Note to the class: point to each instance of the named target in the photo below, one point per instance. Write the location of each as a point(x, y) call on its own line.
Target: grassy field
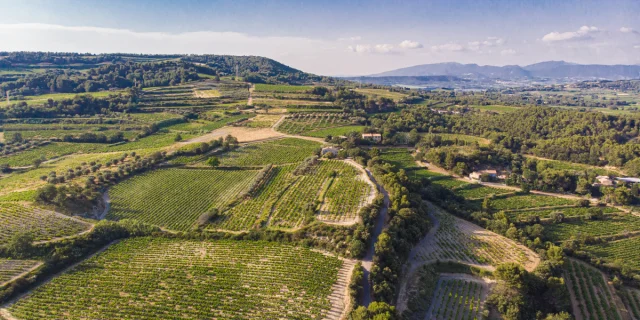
point(287, 150)
point(384, 93)
point(60, 96)
point(147, 278)
point(43, 225)
point(175, 198)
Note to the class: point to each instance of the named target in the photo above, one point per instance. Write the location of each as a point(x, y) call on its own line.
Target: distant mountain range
point(549, 70)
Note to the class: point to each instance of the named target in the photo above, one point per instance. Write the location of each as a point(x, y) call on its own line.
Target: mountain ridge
point(541, 70)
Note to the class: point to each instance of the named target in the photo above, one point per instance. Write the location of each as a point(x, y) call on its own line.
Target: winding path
point(367, 261)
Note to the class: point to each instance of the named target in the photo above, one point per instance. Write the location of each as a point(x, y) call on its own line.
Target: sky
point(335, 37)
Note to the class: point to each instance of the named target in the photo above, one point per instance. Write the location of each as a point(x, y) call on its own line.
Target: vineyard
point(261, 87)
point(12, 268)
point(306, 123)
point(458, 298)
point(625, 250)
point(477, 191)
point(158, 278)
point(523, 201)
point(631, 298)
point(588, 286)
point(287, 150)
point(609, 225)
point(175, 198)
point(460, 241)
point(333, 188)
point(546, 213)
point(42, 224)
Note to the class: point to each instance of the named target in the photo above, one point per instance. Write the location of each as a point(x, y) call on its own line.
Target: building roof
point(371, 135)
point(628, 179)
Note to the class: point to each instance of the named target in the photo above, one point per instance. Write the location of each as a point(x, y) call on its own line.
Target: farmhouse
point(331, 150)
point(375, 137)
point(604, 181)
point(487, 174)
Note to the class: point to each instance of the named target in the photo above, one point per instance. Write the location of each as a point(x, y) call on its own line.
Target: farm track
point(367, 261)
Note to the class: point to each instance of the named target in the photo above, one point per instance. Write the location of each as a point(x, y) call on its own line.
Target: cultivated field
point(282, 151)
point(592, 298)
point(457, 240)
point(307, 123)
point(458, 297)
point(286, 200)
point(12, 268)
point(175, 198)
point(42, 224)
point(157, 278)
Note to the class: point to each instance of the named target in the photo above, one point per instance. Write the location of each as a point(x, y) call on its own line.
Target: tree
point(213, 162)
point(21, 245)
point(17, 137)
point(37, 162)
point(487, 206)
point(178, 138)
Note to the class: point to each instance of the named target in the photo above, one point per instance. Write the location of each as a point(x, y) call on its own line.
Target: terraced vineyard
point(610, 225)
point(305, 123)
point(589, 287)
point(461, 241)
point(12, 268)
point(458, 298)
point(171, 279)
point(286, 200)
point(175, 198)
point(42, 224)
point(287, 150)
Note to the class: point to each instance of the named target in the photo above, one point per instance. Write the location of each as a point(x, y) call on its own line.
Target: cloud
point(451, 47)
point(636, 46)
point(508, 52)
point(479, 46)
point(629, 30)
point(408, 44)
point(355, 38)
point(366, 48)
point(584, 33)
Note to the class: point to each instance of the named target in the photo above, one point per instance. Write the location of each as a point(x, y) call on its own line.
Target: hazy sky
point(335, 37)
